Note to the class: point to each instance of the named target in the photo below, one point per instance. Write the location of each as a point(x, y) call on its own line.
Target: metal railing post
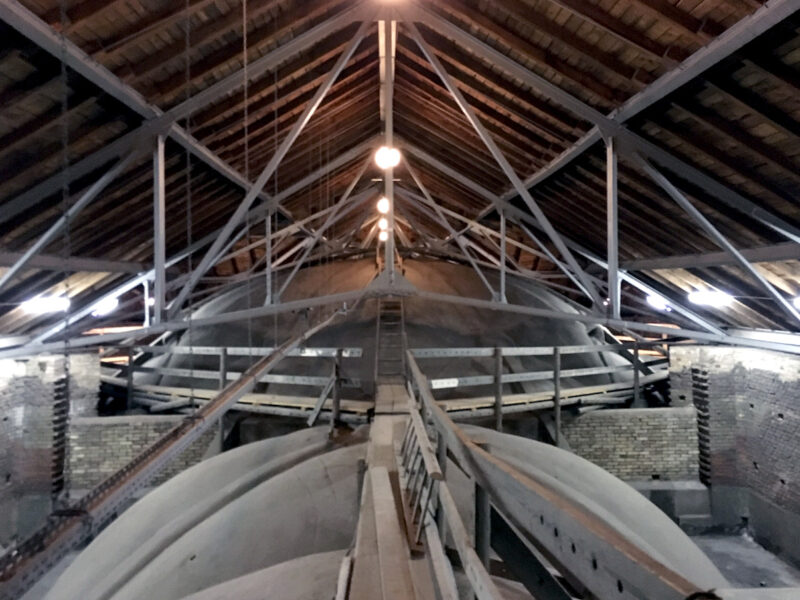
point(129, 398)
point(337, 389)
point(498, 389)
point(223, 367)
point(557, 392)
point(636, 373)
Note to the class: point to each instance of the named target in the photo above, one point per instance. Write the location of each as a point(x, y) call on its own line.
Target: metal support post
point(159, 231)
point(129, 378)
point(268, 267)
point(502, 256)
point(498, 389)
point(557, 392)
point(612, 228)
point(386, 33)
point(223, 367)
point(636, 390)
point(337, 389)
point(146, 295)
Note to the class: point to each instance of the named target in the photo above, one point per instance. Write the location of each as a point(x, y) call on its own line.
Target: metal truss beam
point(500, 205)
point(84, 341)
point(715, 234)
point(606, 126)
point(502, 161)
point(775, 253)
point(156, 121)
point(717, 50)
point(241, 211)
point(521, 219)
point(446, 224)
point(72, 212)
point(76, 316)
point(333, 217)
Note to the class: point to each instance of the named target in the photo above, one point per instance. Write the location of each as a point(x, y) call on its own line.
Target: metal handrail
point(627, 570)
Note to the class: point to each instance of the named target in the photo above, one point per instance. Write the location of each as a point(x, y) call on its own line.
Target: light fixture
point(387, 157)
point(45, 304)
point(151, 301)
point(383, 224)
point(383, 235)
point(105, 306)
point(713, 298)
point(383, 205)
point(658, 302)
point(796, 303)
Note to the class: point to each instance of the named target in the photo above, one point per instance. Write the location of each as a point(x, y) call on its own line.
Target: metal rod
point(502, 256)
point(441, 458)
point(268, 254)
point(612, 228)
point(159, 231)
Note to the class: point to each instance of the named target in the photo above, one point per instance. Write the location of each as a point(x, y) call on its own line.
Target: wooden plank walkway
point(383, 567)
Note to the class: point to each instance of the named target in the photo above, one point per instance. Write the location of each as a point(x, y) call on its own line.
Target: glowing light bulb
point(383, 235)
point(383, 205)
point(383, 224)
point(387, 157)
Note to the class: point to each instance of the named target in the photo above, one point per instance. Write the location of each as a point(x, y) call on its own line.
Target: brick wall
point(99, 446)
point(754, 401)
point(642, 443)
point(26, 433)
point(754, 424)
